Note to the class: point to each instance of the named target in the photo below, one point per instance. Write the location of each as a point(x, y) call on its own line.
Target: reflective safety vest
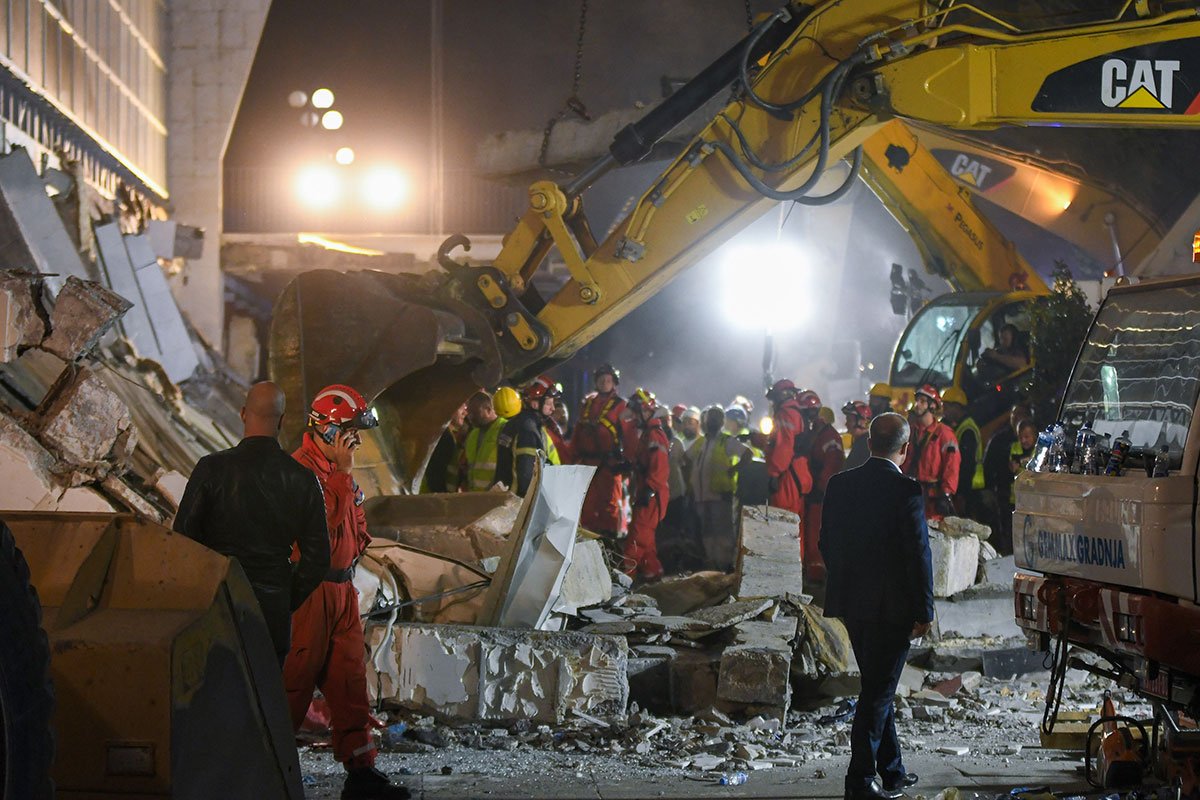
point(480, 450)
point(721, 475)
point(552, 456)
point(968, 424)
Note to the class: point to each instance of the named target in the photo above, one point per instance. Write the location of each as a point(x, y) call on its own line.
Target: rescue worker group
point(668, 487)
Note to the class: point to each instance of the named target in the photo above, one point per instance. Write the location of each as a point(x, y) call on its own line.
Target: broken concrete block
point(1005, 664)
point(727, 615)
point(494, 674)
point(756, 670)
point(961, 526)
point(587, 581)
point(87, 424)
point(468, 527)
point(22, 323)
point(83, 312)
point(912, 680)
point(171, 486)
point(1000, 572)
point(978, 613)
point(769, 561)
point(955, 562)
point(694, 677)
point(28, 469)
point(123, 494)
point(681, 595)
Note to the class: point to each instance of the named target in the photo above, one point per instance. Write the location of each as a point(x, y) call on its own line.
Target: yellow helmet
point(826, 414)
point(954, 394)
point(507, 402)
point(881, 390)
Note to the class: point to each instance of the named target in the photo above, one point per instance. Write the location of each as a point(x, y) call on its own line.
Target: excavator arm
point(811, 84)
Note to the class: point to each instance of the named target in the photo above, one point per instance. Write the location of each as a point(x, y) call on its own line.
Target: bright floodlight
point(322, 98)
point(766, 425)
point(766, 286)
point(385, 188)
point(297, 99)
point(318, 187)
point(344, 156)
point(331, 120)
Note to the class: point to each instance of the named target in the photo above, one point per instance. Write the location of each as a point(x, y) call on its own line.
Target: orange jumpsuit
point(784, 466)
point(651, 495)
point(825, 460)
point(596, 442)
point(327, 633)
point(933, 459)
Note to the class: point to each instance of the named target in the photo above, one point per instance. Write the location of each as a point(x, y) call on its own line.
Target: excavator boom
point(812, 84)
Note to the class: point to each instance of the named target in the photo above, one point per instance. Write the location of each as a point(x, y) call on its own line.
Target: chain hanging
point(574, 105)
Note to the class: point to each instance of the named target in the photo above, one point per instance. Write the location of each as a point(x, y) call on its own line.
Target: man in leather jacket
point(253, 502)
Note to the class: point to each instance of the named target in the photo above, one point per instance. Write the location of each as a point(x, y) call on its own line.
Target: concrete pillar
point(211, 47)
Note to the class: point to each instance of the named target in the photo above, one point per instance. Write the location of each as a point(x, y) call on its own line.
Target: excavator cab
point(952, 341)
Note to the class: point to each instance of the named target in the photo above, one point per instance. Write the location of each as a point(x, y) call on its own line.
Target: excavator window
point(929, 348)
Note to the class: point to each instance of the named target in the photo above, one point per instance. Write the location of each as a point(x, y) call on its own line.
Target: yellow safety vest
point(721, 476)
point(968, 424)
point(481, 452)
point(552, 456)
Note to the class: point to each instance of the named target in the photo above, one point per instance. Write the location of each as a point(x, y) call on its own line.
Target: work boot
point(368, 783)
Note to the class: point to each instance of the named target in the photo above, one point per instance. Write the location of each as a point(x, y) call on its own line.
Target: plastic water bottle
point(1162, 462)
point(1041, 450)
point(1057, 459)
point(1116, 457)
point(734, 778)
point(1085, 443)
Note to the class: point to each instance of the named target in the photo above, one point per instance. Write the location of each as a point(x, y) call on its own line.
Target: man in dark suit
point(880, 583)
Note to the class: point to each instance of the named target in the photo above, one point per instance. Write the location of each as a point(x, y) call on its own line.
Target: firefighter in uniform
point(597, 441)
point(967, 501)
point(524, 440)
point(825, 459)
point(651, 487)
point(858, 420)
point(327, 633)
point(933, 456)
point(787, 455)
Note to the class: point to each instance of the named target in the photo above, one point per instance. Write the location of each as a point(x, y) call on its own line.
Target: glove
point(944, 505)
point(773, 484)
point(644, 497)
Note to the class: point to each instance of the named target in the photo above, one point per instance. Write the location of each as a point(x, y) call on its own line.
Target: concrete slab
point(986, 612)
point(178, 354)
point(769, 561)
point(467, 673)
point(30, 227)
point(955, 563)
point(119, 275)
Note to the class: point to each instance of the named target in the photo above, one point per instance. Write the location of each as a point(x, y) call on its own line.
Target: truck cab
point(1112, 561)
point(943, 344)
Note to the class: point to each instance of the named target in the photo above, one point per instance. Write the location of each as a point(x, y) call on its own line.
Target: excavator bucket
point(395, 339)
point(166, 682)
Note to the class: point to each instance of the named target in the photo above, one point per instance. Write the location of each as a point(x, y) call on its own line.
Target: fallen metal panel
point(33, 232)
point(178, 354)
point(121, 278)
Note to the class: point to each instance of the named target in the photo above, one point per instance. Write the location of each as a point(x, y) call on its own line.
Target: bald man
point(256, 504)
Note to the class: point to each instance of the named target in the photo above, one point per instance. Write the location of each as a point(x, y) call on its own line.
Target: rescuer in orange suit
point(933, 456)
point(651, 490)
point(597, 441)
point(787, 461)
point(825, 459)
point(327, 633)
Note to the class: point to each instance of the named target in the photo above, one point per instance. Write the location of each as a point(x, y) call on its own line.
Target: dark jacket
point(252, 502)
point(521, 445)
point(876, 546)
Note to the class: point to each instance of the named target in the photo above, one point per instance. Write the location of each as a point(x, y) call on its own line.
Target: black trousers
point(881, 648)
point(276, 605)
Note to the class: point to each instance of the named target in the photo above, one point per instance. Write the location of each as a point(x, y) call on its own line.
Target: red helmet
point(678, 409)
point(857, 408)
point(781, 390)
point(643, 398)
point(541, 387)
point(342, 406)
point(808, 399)
point(930, 391)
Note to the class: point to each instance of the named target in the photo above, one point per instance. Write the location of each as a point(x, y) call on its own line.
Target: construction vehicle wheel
point(26, 694)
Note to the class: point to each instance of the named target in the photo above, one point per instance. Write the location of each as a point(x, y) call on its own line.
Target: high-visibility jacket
point(933, 459)
point(552, 456)
point(479, 456)
point(712, 460)
point(965, 430)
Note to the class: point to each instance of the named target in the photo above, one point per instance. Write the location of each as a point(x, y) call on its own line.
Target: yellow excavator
point(813, 84)
point(153, 637)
